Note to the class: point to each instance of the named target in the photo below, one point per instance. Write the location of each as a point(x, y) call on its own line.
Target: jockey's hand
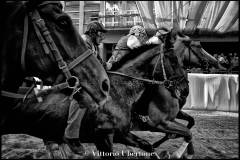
point(154, 40)
point(108, 66)
point(133, 42)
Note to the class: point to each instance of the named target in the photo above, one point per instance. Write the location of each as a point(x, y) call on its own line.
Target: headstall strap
point(36, 19)
point(162, 54)
point(44, 36)
point(160, 57)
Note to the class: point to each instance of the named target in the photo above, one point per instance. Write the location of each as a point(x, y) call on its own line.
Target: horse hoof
point(189, 156)
point(165, 155)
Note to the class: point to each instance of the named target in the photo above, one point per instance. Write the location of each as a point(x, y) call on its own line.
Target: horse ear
point(32, 4)
point(187, 41)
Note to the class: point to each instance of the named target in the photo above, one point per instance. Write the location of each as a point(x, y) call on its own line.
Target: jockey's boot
point(75, 145)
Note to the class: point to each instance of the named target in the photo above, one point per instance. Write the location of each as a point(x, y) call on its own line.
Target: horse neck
point(125, 89)
point(130, 89)
point(181, 52)
point(139, 65)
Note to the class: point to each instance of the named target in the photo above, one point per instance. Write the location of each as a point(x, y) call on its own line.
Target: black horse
point(39, 39)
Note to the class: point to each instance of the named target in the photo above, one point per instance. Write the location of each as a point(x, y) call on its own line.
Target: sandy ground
point(215, 136)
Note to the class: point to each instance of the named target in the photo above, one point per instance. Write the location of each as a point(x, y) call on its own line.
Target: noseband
point(49, 47)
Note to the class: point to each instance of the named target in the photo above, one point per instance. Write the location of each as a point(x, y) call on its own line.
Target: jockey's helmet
point(139, 32)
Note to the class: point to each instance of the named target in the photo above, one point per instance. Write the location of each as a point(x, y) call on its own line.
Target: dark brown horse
point(163, 104)
point(39, 39)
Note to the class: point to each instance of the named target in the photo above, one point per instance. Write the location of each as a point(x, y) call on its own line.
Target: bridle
point(49, 47)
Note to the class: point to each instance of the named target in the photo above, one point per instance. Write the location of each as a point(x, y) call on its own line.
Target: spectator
point(93, 36)
point(222, 60)
point(215, 55)
point(234, 63)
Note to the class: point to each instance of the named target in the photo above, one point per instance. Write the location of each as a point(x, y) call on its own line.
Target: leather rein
point(49, 46)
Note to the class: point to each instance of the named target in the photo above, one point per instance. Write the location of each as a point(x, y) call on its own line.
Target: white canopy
point(220, 16)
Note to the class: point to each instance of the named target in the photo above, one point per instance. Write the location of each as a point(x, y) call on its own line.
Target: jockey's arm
point(154, 40)
point(133, 42)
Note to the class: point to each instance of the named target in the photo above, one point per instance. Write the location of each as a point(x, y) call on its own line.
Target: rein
point(137, 78)
point(48, 45)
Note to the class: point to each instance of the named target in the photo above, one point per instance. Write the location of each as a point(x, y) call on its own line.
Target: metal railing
point(121, 20)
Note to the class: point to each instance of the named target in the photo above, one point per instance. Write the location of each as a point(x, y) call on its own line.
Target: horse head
point(192, 54)
point(40, 40)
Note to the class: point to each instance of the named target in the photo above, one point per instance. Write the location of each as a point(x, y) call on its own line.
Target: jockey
point(93, 36)
point(136, 38)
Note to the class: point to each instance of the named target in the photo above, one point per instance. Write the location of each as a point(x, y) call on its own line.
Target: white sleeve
point(133, 42)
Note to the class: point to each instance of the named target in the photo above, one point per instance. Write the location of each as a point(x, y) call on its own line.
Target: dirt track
point(215, 136)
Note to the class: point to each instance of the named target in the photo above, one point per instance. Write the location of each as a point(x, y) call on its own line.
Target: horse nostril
point(105, 85)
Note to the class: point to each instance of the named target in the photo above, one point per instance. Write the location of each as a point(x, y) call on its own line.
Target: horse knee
point(191, 122)
point(188, 137)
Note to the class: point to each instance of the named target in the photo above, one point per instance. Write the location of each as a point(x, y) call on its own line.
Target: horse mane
point(140, 57)
point(131, 58)
point(12, 11)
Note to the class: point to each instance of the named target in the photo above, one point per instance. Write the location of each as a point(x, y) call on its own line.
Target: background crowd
point(228, 60)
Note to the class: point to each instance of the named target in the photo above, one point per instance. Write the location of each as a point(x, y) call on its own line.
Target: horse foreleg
point(184, 116)
point(191, 122)
point(104, 143)
point(156, 144)
point(173, 127)
point(135, 141)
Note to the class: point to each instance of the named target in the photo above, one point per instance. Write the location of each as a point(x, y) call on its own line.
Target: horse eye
point(63, 24)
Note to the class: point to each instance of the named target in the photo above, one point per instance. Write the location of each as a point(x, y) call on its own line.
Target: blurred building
point(199, 19)
point(117, 16)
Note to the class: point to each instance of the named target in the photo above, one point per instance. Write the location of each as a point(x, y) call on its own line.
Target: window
point(121, 14)
point(72, 9)
point(91, 16)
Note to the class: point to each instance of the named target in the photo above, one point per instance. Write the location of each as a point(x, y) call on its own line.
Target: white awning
point(221, 16)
